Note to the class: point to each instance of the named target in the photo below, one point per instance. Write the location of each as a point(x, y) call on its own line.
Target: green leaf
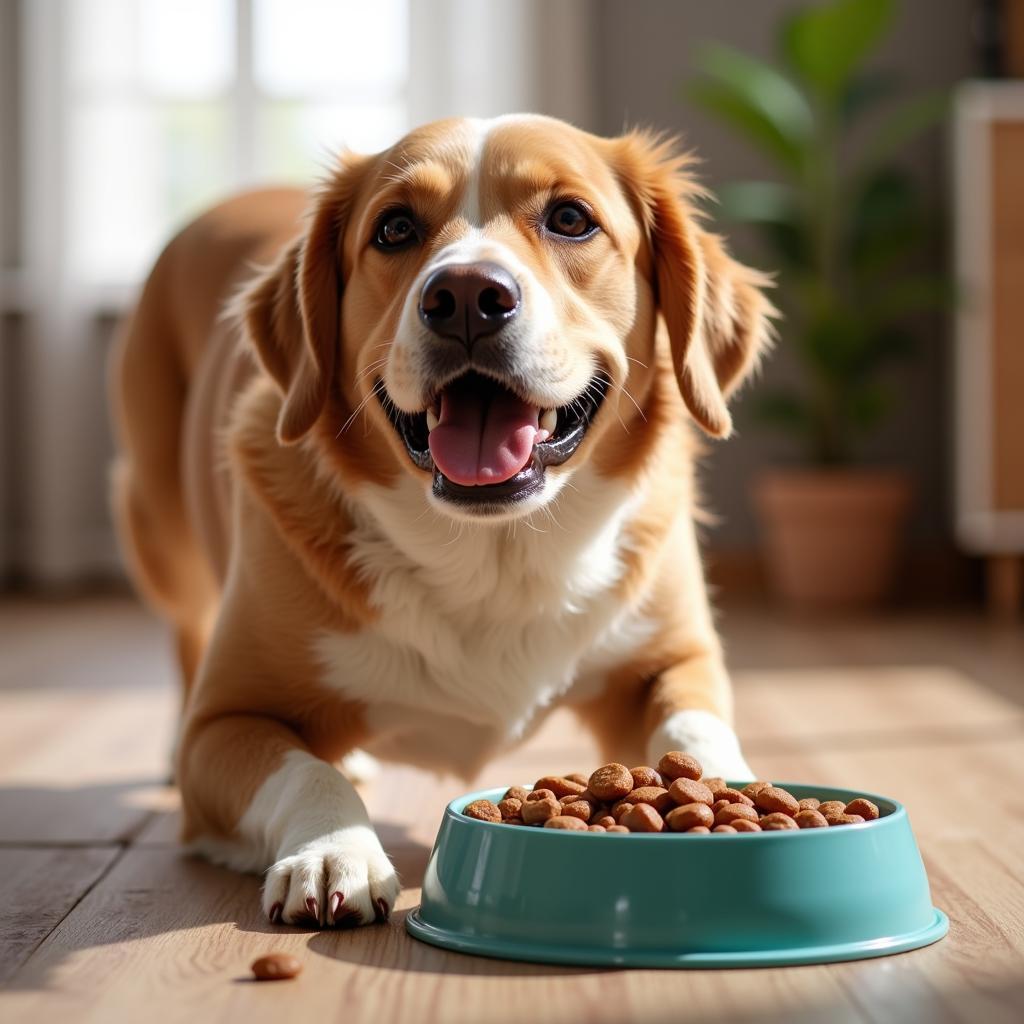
point(903, 123)
point(824, 43)
point(786, 410)
point(866, 405)
point(912, 294)
point(864, 91)
point(757, 100)
point(759, 202)
point(775, 211)
point(886, 221)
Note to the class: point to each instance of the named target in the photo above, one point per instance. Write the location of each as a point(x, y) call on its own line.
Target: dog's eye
point(396, 229)
point(571, 221)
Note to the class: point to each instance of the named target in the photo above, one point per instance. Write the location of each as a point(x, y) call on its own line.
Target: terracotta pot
point(832, 538)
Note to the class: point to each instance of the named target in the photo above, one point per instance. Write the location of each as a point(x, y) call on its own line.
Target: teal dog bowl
point(745, 900)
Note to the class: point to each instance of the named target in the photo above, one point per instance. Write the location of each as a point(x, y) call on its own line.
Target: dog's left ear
point(718, 319)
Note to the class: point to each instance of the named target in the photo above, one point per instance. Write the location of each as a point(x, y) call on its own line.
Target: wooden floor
point(102, 919)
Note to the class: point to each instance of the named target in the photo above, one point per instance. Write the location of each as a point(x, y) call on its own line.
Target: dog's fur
point(323, 599)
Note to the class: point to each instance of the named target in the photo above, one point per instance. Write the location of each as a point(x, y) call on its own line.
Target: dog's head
point(476, 300)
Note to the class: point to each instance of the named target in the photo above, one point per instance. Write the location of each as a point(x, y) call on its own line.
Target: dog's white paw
point(707, 738)
point(339, 880)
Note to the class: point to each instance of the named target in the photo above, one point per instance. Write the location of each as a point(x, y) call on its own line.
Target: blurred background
point(866, 152)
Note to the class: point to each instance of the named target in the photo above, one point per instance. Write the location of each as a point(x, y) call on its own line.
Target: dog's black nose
point(465, 301)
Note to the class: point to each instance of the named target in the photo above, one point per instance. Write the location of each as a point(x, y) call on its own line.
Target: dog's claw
point(275, 913)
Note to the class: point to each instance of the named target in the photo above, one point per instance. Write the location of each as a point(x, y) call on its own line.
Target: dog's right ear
point(293, 310)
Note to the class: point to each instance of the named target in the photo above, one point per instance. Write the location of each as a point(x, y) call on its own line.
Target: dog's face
point(481, 296)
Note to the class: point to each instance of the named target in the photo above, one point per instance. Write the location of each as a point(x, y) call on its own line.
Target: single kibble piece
point(728, 814)
point(619, 810)
point(743, 825)
point(578, 809)
point(733, 796)
point(846, 819)
point(595, 828)
point(539, 806)
point(773, 799)
point(810, 803)
point(832, 808)
point(689, 791)
point(714, 783)
point(682, 819)
point(606, 820)
point(642, 818)
point(724, 828)
point(645, 776)
point(616, 828)
point(610, 782)
point(510, 807)
point(725, 801)
point(865, 808)
point(577, 777)
point(483, 810)
point(810, 818)
point(275, 967)
point(567, 822)
point(776, 821)
point(751, 789)
point(657, 797)
point(677, 765)
point(698, 830)
point(559, 786)
point(516, 793)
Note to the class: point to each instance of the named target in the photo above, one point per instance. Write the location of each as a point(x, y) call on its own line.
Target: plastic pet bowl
point(745, 900)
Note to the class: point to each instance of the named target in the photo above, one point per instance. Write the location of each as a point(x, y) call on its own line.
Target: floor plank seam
point(114, 861)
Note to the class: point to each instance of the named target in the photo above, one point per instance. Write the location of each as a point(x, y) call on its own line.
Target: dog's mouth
point(488, 446)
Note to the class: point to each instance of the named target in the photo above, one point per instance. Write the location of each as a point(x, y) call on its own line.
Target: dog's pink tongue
point(482, 439)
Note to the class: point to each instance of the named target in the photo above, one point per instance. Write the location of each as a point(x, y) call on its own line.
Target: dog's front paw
point(339, 880)
point(707, 738)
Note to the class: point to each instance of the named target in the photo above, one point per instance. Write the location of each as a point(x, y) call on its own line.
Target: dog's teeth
point(549, 420)
point(432, 420)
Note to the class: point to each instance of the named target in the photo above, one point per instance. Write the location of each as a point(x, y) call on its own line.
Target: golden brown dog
point(426, 474)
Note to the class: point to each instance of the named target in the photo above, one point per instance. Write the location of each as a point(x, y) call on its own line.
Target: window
point(175, 103)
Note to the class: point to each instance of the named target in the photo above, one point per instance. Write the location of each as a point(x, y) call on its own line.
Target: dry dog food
point(674, 797)
point(275, 967)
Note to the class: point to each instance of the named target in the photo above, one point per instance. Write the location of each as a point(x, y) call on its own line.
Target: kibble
point(689, 791)
point(677, 765)
point(772, 799)
point(560, 786)
point(277, 966)
point(611, 782)
point(643, 818)
point(682, 819)
point(567, 822)
point(483, 810)
point(810, 818)
point(674, 797)
point(865, 808)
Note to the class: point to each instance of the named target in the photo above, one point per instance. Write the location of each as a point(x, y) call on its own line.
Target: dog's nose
point(465, 301)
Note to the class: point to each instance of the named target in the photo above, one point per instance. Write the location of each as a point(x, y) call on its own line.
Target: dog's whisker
point(359, 408)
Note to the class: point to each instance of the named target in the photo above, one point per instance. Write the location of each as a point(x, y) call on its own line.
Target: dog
point(408, 473)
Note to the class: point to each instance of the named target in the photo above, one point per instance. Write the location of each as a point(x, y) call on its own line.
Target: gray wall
point(645, 52)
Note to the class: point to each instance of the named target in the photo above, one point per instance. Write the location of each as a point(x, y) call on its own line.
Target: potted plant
point(843, 222)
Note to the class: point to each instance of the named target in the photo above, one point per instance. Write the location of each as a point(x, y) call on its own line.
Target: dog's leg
point(255, 798)
point(689, 708)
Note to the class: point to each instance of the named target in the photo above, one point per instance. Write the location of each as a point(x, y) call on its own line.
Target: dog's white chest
point(476, 631)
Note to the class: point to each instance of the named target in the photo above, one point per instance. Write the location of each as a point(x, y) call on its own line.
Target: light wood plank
point(37, 889)
point(81, 767)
